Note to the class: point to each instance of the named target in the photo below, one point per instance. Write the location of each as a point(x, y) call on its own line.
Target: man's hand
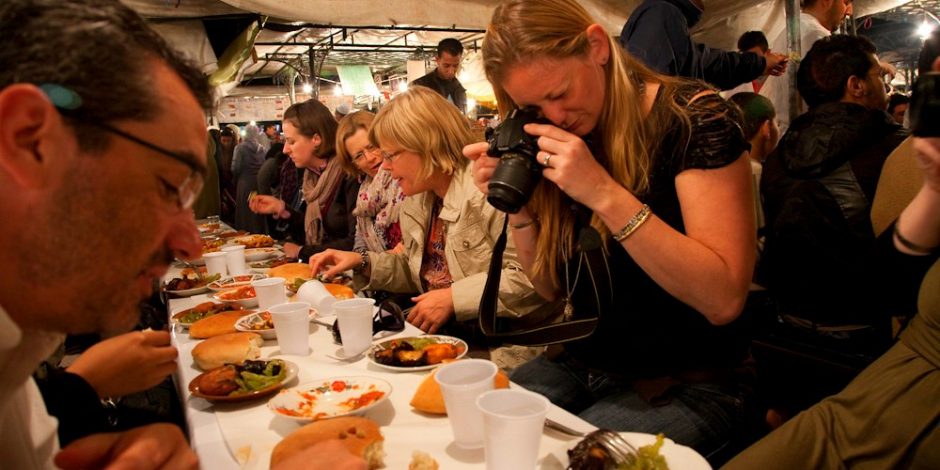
point(776, 64)
point(127, 363)
point(155, 446)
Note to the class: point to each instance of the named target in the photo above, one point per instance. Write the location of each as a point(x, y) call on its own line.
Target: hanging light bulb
point(338, 90)
point(307, 88)
point(924, 30)
point(403, 86)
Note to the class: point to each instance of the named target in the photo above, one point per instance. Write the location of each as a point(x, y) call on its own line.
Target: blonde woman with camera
point(656, 167)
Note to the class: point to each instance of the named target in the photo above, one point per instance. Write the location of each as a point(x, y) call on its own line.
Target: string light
point(307, 88)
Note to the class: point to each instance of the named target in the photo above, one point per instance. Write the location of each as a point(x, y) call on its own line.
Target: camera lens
point(924, 111)
point(512, 183)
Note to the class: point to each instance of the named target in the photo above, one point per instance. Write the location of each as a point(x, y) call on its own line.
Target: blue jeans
point(702, 416)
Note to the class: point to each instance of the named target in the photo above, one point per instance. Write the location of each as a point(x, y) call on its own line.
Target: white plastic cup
point(512, 424)
point(355, 324)
point(270, 291)
point(461, 383)
point(235, 259)
point(216, 263)
point(315, 293)
point(292, 327)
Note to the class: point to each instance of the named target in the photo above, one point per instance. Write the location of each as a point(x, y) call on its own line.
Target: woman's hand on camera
point(483, 165)
point(570, 165)
point(332, 262)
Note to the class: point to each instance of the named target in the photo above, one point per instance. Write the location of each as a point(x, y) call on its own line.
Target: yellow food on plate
point(340, 291)
point(215, 325)
point(428, 397)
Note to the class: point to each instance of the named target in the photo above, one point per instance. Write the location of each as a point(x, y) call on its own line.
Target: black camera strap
point(551, 328)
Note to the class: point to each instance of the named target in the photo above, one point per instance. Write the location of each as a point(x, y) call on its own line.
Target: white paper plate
point(231, 282)
point(330, 398)
point(258, 254)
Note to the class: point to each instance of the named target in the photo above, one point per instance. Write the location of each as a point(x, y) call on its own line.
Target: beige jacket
point(471, 229)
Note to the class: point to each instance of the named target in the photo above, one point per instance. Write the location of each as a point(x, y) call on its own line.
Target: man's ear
point(765, 129)
point(30, 128)
point(600, 45)
point(855, 87)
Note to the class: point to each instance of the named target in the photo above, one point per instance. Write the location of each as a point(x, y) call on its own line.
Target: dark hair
point(226, 132)
point(99, 49)
point(450, 46)
point(752, 39)
point(313, 118)
point(929, 53)
point(896, 99)
point(826, 69)
point(756, 109)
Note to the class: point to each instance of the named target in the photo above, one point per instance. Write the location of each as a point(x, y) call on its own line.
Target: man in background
point(657, 33)
point(756, 42)
point(443, 79)
point(818, 19)
point(897, 106)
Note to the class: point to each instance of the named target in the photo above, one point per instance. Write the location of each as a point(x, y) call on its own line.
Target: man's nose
point(183, 237)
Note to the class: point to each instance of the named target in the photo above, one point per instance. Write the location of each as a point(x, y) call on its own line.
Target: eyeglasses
point(183, 196)
point(391, 157)
point(369, 148)
point(388, 318)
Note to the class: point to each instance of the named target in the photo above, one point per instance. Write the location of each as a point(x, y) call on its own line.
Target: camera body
point(517, 173)
point(924, 112)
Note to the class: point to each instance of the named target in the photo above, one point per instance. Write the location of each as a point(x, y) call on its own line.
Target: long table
point(242, 436)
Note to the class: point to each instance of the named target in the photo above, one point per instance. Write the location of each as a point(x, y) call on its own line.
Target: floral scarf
point(377, 209)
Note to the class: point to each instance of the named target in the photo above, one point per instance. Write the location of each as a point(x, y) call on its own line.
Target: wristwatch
point(365, 261)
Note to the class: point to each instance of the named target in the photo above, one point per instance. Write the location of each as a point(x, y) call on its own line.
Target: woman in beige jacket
point(448, 228)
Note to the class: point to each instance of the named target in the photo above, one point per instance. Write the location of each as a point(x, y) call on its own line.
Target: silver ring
point(547, 159)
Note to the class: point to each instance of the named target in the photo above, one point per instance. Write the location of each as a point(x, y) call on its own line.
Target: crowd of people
point(698, 203)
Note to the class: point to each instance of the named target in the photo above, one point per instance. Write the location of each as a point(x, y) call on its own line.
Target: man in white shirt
point(818, 19)
point(102, 151)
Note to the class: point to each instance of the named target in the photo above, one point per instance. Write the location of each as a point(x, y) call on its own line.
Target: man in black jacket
point(818, 187)
point(657, 33)
point(443, 79)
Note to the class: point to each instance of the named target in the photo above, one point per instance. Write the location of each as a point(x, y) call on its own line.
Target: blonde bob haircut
point(522, 32)
point(422, 121)
point(348, 126)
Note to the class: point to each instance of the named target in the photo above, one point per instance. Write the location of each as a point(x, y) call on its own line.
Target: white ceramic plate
point(216, 308)
point(244, 323)
point(258, 239)
point(231, 282)
point(330, 398)
point(381, 346)
point(225, 296)
point(677, 456)
point(188, 292)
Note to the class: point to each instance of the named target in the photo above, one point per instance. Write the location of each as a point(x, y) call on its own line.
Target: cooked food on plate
point(230, 282)
point(428, 397)
point(255, 241)
point(422, 461)
point(218, 324)
point(203, 310)
point(361, 436)
point(590, 454)
point(213, 245)
point(272, 263)
point(232, 233)
point(231, 348)
point(240, 379)
point(261, 321)
point(415, 352)
point(241, 293)
point(190, 279)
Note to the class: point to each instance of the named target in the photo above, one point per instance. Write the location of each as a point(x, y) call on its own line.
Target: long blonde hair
point(421, 121)
point(524, 31)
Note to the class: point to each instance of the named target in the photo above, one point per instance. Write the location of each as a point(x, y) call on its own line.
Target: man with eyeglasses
point(102, 153)
point(817, 188)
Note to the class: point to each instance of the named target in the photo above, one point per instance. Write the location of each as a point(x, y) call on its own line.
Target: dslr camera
point(924, 113)
point(518, 172)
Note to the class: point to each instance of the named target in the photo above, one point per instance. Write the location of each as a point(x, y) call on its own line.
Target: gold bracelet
point(634, 223)
point(523, 224)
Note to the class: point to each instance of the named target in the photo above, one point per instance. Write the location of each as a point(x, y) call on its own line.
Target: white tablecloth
point(242, 436)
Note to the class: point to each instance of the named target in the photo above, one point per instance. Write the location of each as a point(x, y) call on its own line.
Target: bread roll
point(291, 271)
point(429, 399)
point(231, 348)
point(218, 324)
point(361, 436)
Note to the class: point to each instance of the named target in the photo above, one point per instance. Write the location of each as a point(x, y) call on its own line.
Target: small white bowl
point(247, 302)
